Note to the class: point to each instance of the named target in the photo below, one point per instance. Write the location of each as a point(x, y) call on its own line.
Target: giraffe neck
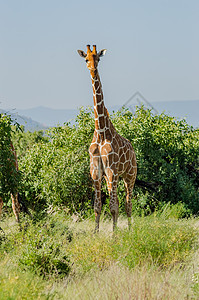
point(100, 111)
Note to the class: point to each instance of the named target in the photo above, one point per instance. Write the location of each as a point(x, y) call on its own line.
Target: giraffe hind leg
point(111, 181)
point(114, 207)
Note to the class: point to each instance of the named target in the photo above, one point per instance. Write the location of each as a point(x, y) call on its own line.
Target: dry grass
point(104, 278)
point(146, 282)
point(115, 281)
point(106, 226)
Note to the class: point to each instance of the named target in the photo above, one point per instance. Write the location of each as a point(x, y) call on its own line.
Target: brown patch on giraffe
point(122, 158)
point(115, 144)
point(100, 136)
point(100, 110)
point(106, 148)
point(108, 135)
point(101, 122)
point(94, 150)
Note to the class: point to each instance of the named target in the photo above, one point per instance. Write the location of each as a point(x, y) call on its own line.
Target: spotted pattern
point(111, 155)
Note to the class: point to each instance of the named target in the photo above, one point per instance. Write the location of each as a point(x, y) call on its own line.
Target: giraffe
point(14, 194)
point(111, 155)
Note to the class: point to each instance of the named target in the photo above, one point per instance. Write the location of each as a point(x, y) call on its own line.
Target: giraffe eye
point(86, 60)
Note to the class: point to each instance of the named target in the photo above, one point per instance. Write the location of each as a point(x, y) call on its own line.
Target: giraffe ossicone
point(111, 155)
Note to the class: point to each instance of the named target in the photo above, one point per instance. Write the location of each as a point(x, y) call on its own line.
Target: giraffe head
point(92, 58)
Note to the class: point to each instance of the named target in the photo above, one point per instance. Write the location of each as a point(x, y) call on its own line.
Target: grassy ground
point(58, 258)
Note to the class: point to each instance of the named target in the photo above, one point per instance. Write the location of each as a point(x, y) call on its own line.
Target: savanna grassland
point(54, 253)
point(58, 258)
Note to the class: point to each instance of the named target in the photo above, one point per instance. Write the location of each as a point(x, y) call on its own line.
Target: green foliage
point(43, 255)
point(153, 240)
point(9, 176)
point(167, 153)
point(42, 247)
point(172, 211)
point(24, 141)
point(195, 284)
point(17, 285)
point(163, 243)
point(57, 172)
point(45, 259)
point(56, 167)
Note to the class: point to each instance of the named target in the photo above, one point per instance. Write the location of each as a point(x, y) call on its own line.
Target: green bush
point(44, 251)
point(152, 241)
point(56, 169)
point(34, 260)
point(57, 172)
point(24, 141)
point(9, 176)
point(195, 284)
point(167, 153)
point(159, 242)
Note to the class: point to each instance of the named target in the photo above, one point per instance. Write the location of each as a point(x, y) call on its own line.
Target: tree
point(56, 171)
point(9, 176)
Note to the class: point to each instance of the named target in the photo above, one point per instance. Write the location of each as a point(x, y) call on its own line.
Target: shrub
point(167, 153)
point(9, 176)
point(164, 243)
point(44, 250)
point(152, 241)
point(56, 171)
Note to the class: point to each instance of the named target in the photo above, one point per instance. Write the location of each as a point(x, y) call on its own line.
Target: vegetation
point(57, 258)
point(55, 255)
point(9, 176)
point(56, 164)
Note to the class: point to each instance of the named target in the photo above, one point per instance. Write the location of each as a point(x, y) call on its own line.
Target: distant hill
point(42, 117)
point(48, 116)
point(27, 122)
point(52, 117)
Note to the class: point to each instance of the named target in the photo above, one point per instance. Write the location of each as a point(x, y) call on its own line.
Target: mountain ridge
point(188, 109)
point(27, 122)
point(41, 117)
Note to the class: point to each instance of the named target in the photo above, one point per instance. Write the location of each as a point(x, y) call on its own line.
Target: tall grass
point(116, 282)
point(17, 285)
point(153, 241)
point(57, 258)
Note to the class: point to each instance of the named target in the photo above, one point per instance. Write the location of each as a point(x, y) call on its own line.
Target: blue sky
point(152, 47)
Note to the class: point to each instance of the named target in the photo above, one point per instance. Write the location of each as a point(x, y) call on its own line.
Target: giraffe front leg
point(97, 203)
point(128, 204)
point(114, 207)
point(111, 180)
point(96, 171)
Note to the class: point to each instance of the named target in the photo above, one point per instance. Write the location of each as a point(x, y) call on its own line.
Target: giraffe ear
point(81, 53)
point(102, 52)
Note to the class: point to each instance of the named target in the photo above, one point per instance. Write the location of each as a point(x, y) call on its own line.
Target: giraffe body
point(111, 155)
